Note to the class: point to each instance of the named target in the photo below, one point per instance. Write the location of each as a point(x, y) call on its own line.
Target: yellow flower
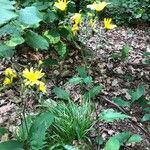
point(10, 73)
point(40, 62)
point(32, 77)
point(97, 6)
point(42, 87)
point(75, 28)
point(61, 5)
point(7, 81)
point(76, 18)
point(108, 24)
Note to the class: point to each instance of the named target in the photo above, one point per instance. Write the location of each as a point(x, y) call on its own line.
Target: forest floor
point(117, 77)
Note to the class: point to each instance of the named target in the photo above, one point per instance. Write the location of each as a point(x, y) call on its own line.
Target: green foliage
point(109, 115)
point(129, 12)
point(3, 131)
point(147, 57)
point(137, 94)
point(7, 11)
point(146, 117)
point(72, 122)
point(13, 145)
point(36, 41)
point(60, 93)
point(120, 102)
point(119, 139)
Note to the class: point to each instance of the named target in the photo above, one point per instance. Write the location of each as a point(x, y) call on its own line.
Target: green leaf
point(146, 117)
point(11, 145)
point(109, 115)
point(112, 144)
point(87, 80)
point(99, 140)
point(135, 138)
point(52, 36)
point(14, 41)
point(5, 51)
point(30, 16)
point(7, 12)
point(125, 51)
point(75, 80)
point(122, 137)
point(60, 93)
point(138, 93)
point(36, 41)
point(147, 110)
point(82, 71)
point(70, 147)
point(50, 61)
point(65, 31)
point(120, 102)
point(37, 133)
point(3, 131)
point(61, 48)
point(92, 92)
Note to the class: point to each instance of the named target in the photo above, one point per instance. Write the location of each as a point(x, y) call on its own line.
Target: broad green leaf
point(120, 102)
point(30, 16)
point(109, 115)
point(122, 137)
point(11, 145)
point(135, 138)
point(5, 51)
point(87, 80)
point(61, 49)
point(41, 5)
point(147, 110)
point(36, 41)
point(65, 31)
point(51, 16)
point(112, 144)
point(61, 93)
point(125, 51)
point(99, 140)
point(37, 133)
point(3, 131)
point(139, 92)
point(52, 36)
point(7, 12)
point(146, 117)
point(14, 41)
point(93, 92)
point(75, 80)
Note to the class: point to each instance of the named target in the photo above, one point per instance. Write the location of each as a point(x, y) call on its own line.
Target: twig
point(131, 120)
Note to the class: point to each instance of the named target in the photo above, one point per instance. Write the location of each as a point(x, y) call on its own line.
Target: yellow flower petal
point(10, 73)
point(61, 5)
point(76, 18)
point(75, 29)
point(98, 6)
point(7, 81)
point(108, 25)
point(42, 87)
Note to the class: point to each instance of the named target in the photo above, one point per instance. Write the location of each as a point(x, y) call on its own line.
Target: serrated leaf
point(112, 144)
point(61, 48)
point(146, 117)
point(75, 80)
point(87, 80)
point(14, 41)
point(30, 16)
point(138, 93)
point(135, 138)
point(5, 51)
point(38, 130)
point(13, 145)
point(36, 41)
point(120, 102)
point(92, 92)
point(53, 36)
point(61, 93)
point(7, 12)
point(109, 115)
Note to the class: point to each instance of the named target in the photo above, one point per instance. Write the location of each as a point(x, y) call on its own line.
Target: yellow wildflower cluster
point(10, 74)
point(32, 77)
point(77, 20)
point(61, 5)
